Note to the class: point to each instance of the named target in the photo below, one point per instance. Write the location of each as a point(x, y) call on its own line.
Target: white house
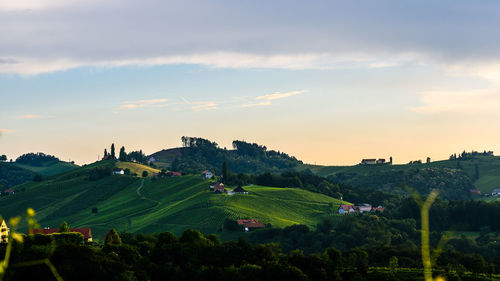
point(496, 192)
point(118, 171)
point(207, 174)
point(364, 208)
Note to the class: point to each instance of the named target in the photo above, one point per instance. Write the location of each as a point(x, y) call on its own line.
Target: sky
point(330, 82)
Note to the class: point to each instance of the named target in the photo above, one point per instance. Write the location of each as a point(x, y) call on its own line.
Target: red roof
point(347, 207)
point(86, 232)
point(204, 172)
point(251, 223)
point(9, 190)
point(218, 186)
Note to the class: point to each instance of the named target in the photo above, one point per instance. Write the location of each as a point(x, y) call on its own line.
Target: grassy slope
point(489, 170)
point(172, 204)
point(137, 168)
point(54, 168)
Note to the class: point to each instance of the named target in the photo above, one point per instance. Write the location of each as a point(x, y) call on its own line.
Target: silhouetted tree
point(123, 154)
point(113, 151)
point(64, 227)
point(3, 158)
point(112, 238)
point(224, 171)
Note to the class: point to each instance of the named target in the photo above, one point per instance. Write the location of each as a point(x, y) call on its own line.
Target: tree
point(105, 153)
point(224, 171)
point(144, 174)
point(3, 158)
point(112, 238)
point(64, 227)
point(123, 154)
point(113, 151)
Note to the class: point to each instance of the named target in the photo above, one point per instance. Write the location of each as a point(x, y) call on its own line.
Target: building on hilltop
point(85, 231)
point(369, 161)
point(4, 232)
point(346, 209)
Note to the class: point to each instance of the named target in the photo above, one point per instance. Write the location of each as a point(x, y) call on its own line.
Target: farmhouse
point(369, 161)
point(9, 191)
point(345, 209)
point(4, 232)
point(239, 190)
point(219, 188)
point(250, 224)
point(173, 174)
point(496, 192)
point(475, 191)
point(118, 171)
point(363, 208)
point(381, 161)
point(378, 209)
point(207, 174)
point(86, 232)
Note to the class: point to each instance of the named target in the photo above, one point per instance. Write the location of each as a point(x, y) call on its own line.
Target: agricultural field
point(148, 205)
point(49, 169)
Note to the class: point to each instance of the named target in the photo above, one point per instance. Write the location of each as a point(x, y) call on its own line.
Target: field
point(149, 205)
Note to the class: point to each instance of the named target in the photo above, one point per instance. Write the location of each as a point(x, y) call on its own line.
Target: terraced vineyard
point(134, 204)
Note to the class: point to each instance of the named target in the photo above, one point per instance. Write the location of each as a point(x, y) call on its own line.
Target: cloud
point(264, 103)
point(6, 131)
point(29, 116)
point(319, 35)
point(473, 101)
point(279, 95)
point(203, 105)
point(142, 103)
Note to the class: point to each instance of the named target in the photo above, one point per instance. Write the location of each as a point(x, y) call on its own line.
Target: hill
point(49, 168)
point(454, 177)
point(199, 154)
point(11, 175)
point(88, 196)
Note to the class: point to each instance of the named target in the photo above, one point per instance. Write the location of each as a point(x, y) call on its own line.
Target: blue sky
point(330, 82)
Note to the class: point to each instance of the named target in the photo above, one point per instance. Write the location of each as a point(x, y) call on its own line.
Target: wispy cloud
point(142, 103)
point(203, 105)
point(29, 116)
point(266, 99)
point(278, 95)
point(6, 131)
point(264, 103)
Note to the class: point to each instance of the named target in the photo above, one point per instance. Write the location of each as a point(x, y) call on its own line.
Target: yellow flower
point(14, 221)
point(18, 237)
point(30, 212)
point(440, 278)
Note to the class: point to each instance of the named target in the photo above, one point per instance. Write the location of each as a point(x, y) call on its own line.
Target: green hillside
point(50, 168)
point(456, 176)
point(11, 175)
point(152, 205)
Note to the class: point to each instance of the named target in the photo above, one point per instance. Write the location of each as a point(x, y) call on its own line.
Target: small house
point(363, 208)
point(207, 174)
point(475, 191)
point(118, 171)
point(4, 232)
point(173, 174)
point(368, 161)
point(495, 192)
point(378, 209)
point(9, 191)
point(239, 190)
point(380, 161)
point(346, 209)
point(219, 188)
point(151, 159)
point(250, 224)
point(85, 231)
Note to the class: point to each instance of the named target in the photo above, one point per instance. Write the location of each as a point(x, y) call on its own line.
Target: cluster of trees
point(36, 159)
point(3, 158)
point(199, 154)
point(194, 256)
point(469, 155)
point(137, 156)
